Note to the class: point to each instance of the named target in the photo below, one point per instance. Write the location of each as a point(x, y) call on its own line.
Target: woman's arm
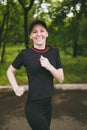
point(19, 91)
point(57, 73)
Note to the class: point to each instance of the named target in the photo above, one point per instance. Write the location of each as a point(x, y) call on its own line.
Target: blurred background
point(67, 25)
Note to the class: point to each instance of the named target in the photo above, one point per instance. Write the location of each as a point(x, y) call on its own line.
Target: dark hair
point(36, 22)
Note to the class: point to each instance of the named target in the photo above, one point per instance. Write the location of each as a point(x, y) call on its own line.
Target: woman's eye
point(34, 32)
point(37, 31)
point(42, 30)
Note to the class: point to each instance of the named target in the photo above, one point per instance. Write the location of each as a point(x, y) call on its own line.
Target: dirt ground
point(69, 110)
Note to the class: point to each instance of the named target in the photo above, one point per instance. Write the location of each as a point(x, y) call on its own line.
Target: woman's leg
point(38, 114)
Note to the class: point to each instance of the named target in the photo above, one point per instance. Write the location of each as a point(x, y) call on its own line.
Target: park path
point(58, 86)
point(69, 108)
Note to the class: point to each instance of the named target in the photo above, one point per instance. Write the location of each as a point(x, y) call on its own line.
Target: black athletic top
point(40, 80)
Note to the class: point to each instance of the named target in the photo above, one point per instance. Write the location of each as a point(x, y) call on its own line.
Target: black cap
point(36, 22)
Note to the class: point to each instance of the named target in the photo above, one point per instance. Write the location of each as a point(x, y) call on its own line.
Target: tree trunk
point(26, 9)
point(75, 48)
point(3, 51)
point(26, 28)
point(5, 22)
point(2, 28)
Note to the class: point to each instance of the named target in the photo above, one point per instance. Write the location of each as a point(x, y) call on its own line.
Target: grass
point(75, 69)
point(11, 52)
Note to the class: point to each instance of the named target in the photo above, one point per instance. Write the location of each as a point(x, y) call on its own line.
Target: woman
point(42, 63)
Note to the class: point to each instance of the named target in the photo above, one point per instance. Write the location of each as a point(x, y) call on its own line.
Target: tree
point(4, 23)
point(66, 16)
point(26, 8)
point(9, 24)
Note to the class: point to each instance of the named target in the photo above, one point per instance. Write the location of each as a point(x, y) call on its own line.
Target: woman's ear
point(47, 34)
point(30, 37)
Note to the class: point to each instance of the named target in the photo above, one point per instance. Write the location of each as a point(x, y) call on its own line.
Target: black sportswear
point(40, 79)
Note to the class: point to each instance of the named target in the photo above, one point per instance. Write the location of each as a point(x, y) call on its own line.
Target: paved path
point(69, 109)
point(59, 86)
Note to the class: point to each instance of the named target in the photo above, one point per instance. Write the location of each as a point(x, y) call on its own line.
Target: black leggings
point(38, 114)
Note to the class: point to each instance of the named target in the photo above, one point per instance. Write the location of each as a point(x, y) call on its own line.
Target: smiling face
point(39, 35)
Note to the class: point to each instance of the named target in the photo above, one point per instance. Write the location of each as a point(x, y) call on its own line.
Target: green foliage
point(70, 33)
point(11, 53)
point(75, 69)
point(69, 30)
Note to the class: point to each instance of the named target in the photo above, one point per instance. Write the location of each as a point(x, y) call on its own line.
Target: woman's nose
point(38, 33)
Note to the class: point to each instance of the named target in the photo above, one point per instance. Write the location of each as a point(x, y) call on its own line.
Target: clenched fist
point(45, 62)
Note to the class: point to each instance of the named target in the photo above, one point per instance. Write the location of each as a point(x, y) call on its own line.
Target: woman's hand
point(57, 73)
point(45, 62)
point(19, 91)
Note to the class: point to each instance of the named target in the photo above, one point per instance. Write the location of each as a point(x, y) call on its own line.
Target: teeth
point(39, 39)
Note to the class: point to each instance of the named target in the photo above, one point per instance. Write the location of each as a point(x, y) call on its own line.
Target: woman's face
point(39, 35)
